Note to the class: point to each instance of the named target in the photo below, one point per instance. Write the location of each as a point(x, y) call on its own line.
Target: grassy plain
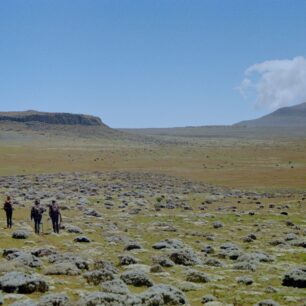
point(241, 163)
point(244, 163)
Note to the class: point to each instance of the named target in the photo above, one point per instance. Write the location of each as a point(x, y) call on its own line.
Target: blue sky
point(145, 63)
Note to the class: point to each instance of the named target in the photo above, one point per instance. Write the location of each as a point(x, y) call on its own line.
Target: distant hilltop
point(292, 116)
point(51, 118)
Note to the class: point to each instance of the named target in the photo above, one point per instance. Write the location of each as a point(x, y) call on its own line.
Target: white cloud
point(276, 83)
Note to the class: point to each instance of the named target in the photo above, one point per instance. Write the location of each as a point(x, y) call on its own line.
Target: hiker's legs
point(9, 218)
point(55, 224)
point(37, 225)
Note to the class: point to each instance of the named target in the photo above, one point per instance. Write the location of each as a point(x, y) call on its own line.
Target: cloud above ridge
point(276, 83)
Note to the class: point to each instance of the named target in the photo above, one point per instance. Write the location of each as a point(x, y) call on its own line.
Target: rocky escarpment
point(51, 118)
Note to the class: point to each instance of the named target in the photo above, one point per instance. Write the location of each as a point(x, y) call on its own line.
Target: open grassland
point(241, 163)
point(144, 209)
point(231, 212)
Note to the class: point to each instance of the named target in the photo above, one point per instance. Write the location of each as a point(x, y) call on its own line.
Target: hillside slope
point(293, 116)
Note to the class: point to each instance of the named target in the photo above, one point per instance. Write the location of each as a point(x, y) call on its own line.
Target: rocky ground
point(146, 239)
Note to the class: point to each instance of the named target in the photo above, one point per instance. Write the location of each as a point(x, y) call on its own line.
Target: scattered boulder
point(208, 298)
point(103, 298)
point(21, 234)
point(116, 286)
point(245, 280)
point(82, 239)
point(18, 282)
point(136, 278)
point(168, 244)
point(295, 278)
point(156, 269)
point(73, 229)
point(62, 268)
point(267, 303)
point(162, 295)
point(125, 260)
point(54, 299)
point(97, 277)
point(164, 261)
point(197, 277)
point(185, 257)
point(217, 224)
point(43, 252)
point(102, 264)
point(132, 245)
point(208, 249)
point(28, 260)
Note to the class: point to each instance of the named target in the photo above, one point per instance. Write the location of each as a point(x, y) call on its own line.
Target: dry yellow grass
point(233, 163)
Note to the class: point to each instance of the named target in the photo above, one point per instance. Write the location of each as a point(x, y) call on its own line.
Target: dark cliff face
point(51, 118)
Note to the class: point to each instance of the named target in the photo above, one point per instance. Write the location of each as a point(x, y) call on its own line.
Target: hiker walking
point(8, 208)
point(55, 216)
point(36, 214)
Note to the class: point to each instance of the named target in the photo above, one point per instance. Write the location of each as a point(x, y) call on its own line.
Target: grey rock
point(132, 245)
point(229, 250)
point(267, 303)
point(185, 257)
point(92, 213)
point(54, 299)
point(72, 258)
point(28, 260)
point(97, 277)
point(213, 262)
point(168, 244)
point(125, 260)
point(104, 299)
point(42, 252)
point(116, 286)
point(20, 234)
point(73, 229)
point(162, 295)
point(295, 278)
point(256, 257)
point(82, 239)
point(19, 282)
point(197, 277)
point(62, 268)
point(136, 278)
point(102, 264)
point(163, 261)
point(244, 265)
point(217, 224)
point(208, 249)
point(245, 280)
point(208, 298)
point(156, 269)
point(27, 302)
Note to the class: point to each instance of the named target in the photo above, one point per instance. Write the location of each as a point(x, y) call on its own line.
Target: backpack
point(54, 209)
point(37, 211)
point(8, 206)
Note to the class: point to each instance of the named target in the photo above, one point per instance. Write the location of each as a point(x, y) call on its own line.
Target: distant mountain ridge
point(51, 118)
point(292, 116)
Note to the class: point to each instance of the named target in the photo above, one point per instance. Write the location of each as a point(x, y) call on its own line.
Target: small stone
point(21, 234)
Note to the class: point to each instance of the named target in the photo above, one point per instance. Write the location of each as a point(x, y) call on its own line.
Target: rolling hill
point(293, 116)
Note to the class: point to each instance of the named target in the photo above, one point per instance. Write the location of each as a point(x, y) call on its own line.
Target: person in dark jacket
point(8, 208)
point(36, 214)
point(55, 216)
